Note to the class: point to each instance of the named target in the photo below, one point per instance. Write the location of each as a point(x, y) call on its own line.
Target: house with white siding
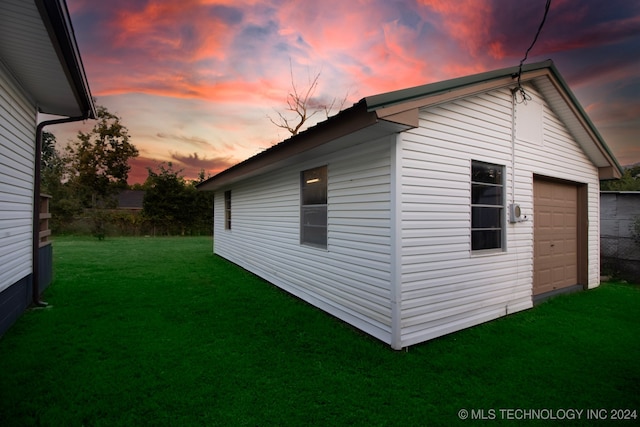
point(420, 212)
point(40, 72)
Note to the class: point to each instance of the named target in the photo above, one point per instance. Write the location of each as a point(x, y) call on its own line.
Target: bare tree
point(335, 103)
point(301, 105)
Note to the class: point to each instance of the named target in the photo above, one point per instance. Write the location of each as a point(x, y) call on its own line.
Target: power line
point(526, 97)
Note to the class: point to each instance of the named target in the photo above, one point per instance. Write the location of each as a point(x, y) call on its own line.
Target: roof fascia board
point(55, 17)
point(408, 118)
point(607, 173)
point(430, 100)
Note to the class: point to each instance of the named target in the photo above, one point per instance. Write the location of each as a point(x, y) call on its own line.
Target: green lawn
point(158, 331)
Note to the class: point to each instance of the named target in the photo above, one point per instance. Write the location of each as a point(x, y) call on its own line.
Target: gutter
point(35, 290)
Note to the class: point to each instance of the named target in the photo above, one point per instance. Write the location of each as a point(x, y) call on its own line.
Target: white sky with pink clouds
point(194, 80)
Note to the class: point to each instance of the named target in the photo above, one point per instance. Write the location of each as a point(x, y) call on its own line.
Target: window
point(487, 206)
point(227, 210)
point(313, 207)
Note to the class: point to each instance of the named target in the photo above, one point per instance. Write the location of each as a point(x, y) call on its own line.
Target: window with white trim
point(313, 207)
point(487, 206)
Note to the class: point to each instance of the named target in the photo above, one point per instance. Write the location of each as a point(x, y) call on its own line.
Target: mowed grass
point(159, 332)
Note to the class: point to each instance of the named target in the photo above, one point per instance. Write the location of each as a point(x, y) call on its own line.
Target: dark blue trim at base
point(16, 298)
point(13, 302)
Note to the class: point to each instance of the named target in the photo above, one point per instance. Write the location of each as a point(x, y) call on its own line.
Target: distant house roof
point(396, 111)
point(130, 199)
point(38, 48)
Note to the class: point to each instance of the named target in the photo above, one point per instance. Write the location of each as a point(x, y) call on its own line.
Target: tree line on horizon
point(85, 178)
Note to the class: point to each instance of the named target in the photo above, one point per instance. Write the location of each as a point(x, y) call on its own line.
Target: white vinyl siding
point(351, 277)
point(446, 287)
point(17, 153)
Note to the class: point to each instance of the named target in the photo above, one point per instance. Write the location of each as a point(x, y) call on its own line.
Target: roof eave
point(347, 122)
point(55, 16)
point(448, 89)
point(406, 102)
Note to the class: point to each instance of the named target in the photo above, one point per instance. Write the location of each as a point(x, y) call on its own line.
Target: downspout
point(36, 204)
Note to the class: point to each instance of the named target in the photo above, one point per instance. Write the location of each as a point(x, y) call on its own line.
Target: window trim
point(324, 170)
point(501, 207)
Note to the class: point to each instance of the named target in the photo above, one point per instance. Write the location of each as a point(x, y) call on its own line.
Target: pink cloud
point(468, 22)
point(171, 29)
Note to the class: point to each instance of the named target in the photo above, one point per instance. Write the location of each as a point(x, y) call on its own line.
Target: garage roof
point(398, 110)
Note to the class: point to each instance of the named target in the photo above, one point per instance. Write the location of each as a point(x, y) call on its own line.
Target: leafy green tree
point(97, 163)
point(173, 205)
point(97, 166)
point(166, 202)
point(51, 165)
point(202, 207)
point(64, 205)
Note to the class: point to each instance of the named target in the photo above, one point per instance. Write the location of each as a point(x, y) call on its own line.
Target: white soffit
point(27, 51)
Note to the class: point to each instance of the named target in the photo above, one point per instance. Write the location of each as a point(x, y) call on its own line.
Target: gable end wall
point(446, 287)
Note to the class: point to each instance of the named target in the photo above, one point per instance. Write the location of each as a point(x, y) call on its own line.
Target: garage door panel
point(555, 236)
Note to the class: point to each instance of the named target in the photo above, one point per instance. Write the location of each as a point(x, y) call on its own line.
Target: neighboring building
point(394, 215)
point(131, 200)
point(620, 248)
point(40, 72)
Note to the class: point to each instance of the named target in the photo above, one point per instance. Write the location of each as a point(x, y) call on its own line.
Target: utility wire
point(525, 96)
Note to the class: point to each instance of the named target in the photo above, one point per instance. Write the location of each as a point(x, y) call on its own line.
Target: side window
point(313, 207)
point(487, 206)
point(227, 210)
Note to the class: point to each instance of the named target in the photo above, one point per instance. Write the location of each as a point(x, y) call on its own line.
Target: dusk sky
point(194, 80)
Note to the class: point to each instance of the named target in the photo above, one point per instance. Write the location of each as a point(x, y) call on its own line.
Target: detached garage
point(424, 211)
